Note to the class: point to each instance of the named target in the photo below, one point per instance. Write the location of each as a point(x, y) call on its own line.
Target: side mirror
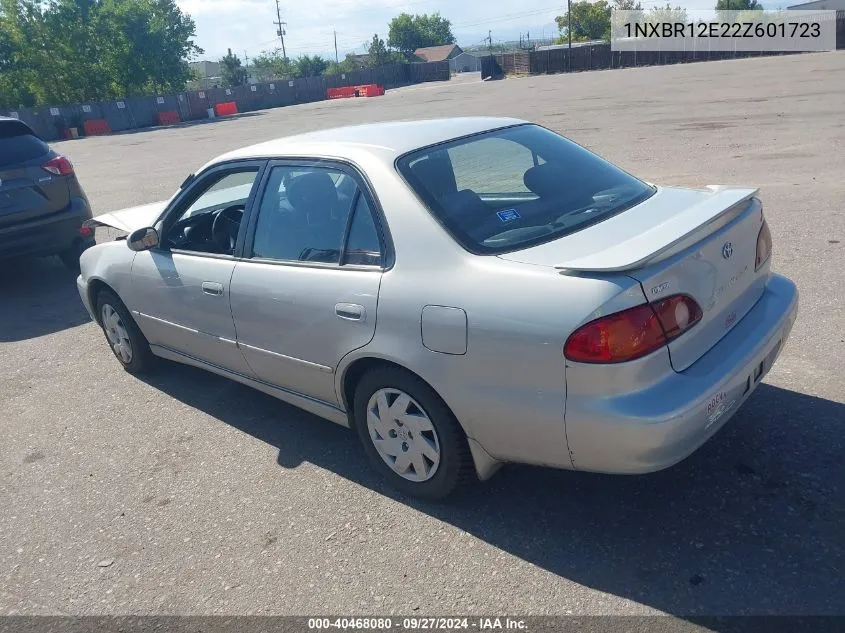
point(142, 239)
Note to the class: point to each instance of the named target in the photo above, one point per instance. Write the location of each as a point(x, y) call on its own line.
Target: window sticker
point(508, 215)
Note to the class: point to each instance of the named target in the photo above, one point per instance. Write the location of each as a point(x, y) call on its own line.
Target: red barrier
point(95, 127)
point(168, 117)
point(224, 109)
point(345, 92)
point(370, 90)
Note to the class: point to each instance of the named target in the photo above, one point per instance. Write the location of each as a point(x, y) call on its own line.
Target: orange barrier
point(370, 90)
point(224, 109)
point(345, 92)
point(168, 117)
point(95, 127)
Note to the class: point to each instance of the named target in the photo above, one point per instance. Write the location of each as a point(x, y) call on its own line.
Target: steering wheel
point(224, 229)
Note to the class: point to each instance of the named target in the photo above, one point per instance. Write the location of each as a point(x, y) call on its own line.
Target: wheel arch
point(95, 287)
point(351, 374)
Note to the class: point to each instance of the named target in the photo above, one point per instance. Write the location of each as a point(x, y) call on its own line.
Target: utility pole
point(281, 31)
point(490, 41)
point(569, 32)
point(335, 47)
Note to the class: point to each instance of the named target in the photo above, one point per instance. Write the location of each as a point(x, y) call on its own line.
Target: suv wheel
point(70, 256)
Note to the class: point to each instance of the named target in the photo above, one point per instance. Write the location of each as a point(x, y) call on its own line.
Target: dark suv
point(42, 206)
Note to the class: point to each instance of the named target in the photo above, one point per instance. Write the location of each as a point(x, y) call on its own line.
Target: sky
point(246, 26)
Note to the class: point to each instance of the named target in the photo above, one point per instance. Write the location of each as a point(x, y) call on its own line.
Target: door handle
point(350, 311)
point(212, 288)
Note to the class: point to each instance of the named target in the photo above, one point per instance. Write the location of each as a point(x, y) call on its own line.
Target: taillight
point(764, 246)
point(59, 166)
point(632, 333)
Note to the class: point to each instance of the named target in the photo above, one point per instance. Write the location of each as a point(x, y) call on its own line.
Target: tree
point(377, 52)
point(409, 32)
point(231, 71)
point(658, 15)
point(627, 5)
point(67, 51)
point(272, 65)
point(590, 21)
point(738, 5)
point(310, 66)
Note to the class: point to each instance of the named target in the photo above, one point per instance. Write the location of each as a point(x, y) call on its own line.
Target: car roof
point(387, 140)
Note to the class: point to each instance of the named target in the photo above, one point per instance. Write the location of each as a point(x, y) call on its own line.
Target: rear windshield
point(517, 187)
point(18, 145)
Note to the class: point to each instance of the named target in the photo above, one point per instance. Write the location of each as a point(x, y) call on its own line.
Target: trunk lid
point(28, 192)
point(679, 241)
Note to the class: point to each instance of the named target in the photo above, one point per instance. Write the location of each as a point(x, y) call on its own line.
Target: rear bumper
point(45, 236)
point(659, 426)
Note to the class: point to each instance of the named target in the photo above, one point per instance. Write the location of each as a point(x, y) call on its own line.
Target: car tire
point(434, 442)
point(125, 339)
point(70, 256)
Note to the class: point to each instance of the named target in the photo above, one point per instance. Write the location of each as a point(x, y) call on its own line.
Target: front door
point(180, 291)
point(306, 291)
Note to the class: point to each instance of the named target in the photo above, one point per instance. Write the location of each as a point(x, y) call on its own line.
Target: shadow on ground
point(754, 516)
point(38, 296)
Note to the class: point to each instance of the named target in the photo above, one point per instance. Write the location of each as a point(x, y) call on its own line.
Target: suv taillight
point(632, 333)
point(59, 166)
point(764, 246)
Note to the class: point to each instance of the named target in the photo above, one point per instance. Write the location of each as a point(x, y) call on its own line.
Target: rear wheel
point(70, 256)
point(128, 343)
point(410, 435)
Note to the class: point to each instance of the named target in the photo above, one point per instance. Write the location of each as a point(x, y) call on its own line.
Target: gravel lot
point(185, 493)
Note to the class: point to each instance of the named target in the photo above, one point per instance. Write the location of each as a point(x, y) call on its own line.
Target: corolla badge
point(727, 250)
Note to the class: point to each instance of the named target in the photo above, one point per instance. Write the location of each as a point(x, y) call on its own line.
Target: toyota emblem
point(727, 250)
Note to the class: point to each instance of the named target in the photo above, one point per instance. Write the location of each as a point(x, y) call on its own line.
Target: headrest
point(312, 194)
point(544, 180)
point(436, 175)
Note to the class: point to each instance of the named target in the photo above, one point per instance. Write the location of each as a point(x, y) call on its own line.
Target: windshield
point(516, 187)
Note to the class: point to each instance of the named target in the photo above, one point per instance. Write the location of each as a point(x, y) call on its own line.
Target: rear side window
point(517, 187)
point(18, 146)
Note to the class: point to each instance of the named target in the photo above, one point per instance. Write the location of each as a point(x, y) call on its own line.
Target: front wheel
point(410, 435)
point(128, 343)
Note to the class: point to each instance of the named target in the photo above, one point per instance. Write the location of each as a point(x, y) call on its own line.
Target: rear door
point(27, 190)
point(306, 292)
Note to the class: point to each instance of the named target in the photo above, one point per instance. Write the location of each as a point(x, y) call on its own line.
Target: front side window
point(315, 214)
point(517, 187)
point(210, 219)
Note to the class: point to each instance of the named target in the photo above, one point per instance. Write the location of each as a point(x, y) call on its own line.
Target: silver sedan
point(461, 292)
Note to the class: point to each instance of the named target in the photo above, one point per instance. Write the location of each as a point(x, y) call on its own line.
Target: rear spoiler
point(666, 237)
point(14, 127)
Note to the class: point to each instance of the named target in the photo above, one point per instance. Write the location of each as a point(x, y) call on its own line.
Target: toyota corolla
point(461, 292)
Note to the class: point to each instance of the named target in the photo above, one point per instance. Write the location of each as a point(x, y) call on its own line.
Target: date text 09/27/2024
point(418, 624)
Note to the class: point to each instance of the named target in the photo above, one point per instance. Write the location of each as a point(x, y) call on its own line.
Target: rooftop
point(437, 53)
point(393, 138)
